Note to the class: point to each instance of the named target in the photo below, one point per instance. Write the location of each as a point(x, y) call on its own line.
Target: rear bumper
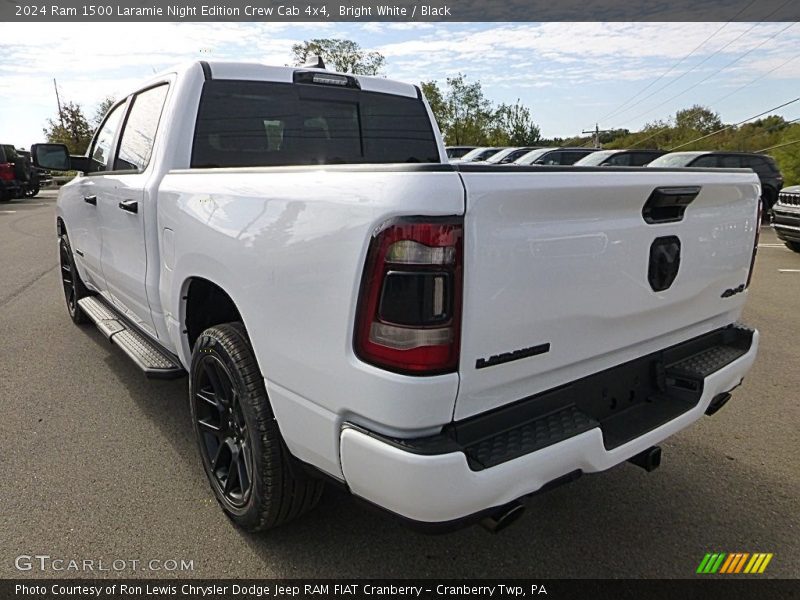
point(439, 479)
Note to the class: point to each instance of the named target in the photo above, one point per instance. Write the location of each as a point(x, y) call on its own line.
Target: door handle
point(131, 206)
point(90, 200)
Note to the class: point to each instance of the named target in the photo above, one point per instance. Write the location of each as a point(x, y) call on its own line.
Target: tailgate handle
point(667, 204)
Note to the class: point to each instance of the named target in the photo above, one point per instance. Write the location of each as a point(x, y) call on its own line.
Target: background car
point(786, 217)
point(620, 158)
point(36, 177)
point(765, 167)
point(479, 154)
point(458, 151)
point(554, 156)
point(10, 186)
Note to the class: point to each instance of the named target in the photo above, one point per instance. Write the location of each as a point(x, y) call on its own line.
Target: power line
point(707, 58)
point(693, 68)
point(735, 124)
point(672, 68)
point(759, 78)
point(779, 145)
point(753, 49)
point(725, 97)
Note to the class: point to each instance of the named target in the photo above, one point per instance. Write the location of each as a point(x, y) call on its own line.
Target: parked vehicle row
point(764, 166)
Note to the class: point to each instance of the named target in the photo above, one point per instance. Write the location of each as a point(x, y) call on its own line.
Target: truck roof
point(251, 71)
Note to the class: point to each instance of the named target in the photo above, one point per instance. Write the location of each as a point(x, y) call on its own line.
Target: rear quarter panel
point(288, 245)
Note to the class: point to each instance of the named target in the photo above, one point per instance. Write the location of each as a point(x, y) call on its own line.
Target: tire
point(793, 246)
point(236, 431)
point(71, 281)
point(768, 199)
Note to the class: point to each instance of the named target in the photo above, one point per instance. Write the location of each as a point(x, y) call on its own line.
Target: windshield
point(530, 157)
point(677, 159)
point(496, 158)
point(254, 123)
point(479, 154)
point(595, 158)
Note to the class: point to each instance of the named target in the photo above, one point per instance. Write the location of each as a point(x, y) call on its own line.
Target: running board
point(151, 359)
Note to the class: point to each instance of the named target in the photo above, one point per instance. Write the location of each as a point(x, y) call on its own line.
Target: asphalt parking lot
point(100, 463)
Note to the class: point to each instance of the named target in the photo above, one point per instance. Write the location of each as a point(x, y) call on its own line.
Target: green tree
point(698, 118)
point(70, 128)
point(513, 126)
point(437, 102)
point(467, 117)
point(470, 112)
point(102, 108)
point(345, 56)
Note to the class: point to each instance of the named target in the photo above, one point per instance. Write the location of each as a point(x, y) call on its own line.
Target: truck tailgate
point(565, 277)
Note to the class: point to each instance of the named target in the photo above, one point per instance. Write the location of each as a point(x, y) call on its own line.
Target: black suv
point(765, 167)
point(786, 217)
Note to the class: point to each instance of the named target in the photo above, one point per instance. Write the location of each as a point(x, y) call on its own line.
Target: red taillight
point(755, 243)
point(7, 171)
point(409, 310)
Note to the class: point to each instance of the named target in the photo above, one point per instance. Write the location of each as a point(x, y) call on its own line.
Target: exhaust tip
point(499, 520)
point(718, 402)
point(649, 460)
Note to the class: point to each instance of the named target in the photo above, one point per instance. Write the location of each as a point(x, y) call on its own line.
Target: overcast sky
point(570, 74)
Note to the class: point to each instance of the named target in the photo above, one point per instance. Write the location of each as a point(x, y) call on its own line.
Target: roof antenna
point(316, 64)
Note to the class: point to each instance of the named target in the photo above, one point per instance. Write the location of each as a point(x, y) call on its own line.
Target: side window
point(708, 160)
point(101, 148)
point(731, 162)
point(623, 159)
point(644, 158)
point(569, 158)
point(139, 133)
point(551, 158)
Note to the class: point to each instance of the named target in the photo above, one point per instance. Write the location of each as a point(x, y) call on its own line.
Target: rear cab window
point(254, 123)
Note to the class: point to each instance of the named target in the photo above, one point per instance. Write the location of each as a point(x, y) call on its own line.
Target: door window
point(139, 133)
point(101, 147)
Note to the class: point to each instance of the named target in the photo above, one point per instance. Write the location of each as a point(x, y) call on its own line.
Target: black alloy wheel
point(225, 441)
point(74, 289)
point(256, 480)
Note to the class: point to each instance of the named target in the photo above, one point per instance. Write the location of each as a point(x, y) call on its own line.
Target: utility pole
point(597, 131)
point(58, 101)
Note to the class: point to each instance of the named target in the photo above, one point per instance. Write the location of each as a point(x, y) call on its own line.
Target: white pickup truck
point(442, 340)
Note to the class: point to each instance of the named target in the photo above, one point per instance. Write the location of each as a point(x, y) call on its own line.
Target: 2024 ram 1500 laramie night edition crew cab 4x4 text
point(443, 340)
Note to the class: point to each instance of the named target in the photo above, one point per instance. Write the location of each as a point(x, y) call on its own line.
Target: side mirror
point(54, 157)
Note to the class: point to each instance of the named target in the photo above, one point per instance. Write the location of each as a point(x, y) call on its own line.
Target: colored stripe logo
point(734, 563)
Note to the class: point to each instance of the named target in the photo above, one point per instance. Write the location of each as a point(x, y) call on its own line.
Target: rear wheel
point(768, 199)
point(74, 289)
point(793, 246)
point(254, 478)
